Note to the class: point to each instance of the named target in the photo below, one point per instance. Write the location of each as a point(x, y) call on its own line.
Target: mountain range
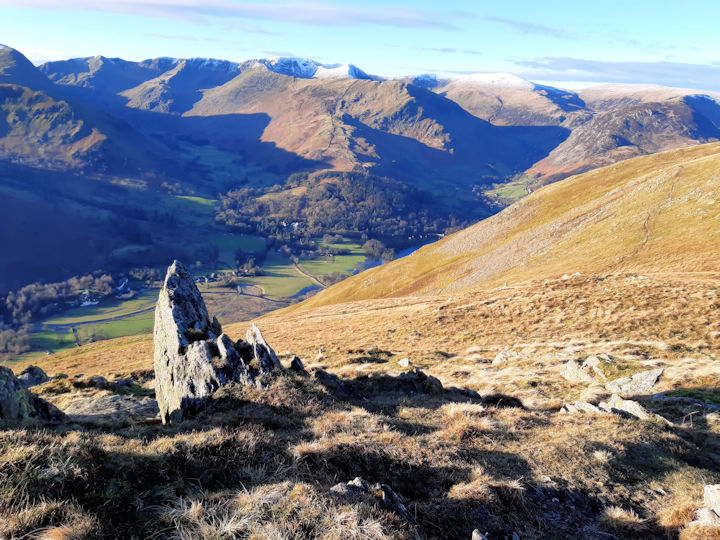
point(204, 127)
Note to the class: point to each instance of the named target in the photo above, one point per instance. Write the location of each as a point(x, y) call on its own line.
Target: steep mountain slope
point(508, 100)
point(609, 123)
point(16, 69)
point(398, 129)
point(176, 90)
point(656, 213)
point(105, 74)
point(630, 128)
point(39, 127)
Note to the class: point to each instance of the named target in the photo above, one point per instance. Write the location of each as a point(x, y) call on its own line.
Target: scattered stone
point(337, 387)
point(421, 382)
point(99, 382)
point(573, 372)
point(32, 376)
point(297, 366)
point(477, 535)
point(404, 362)
point(503, 357)
point(193, 358)
point(110, 408)
point(711, 497)
point(615, 405)
point(706, 517)
point(629, 408)
point(640, 383)
point(581, 406)
point(709, 515)
point(17, 403)
point(359, 487)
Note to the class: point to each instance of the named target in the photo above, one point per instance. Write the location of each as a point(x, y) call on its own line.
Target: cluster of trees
point(336, 202)
point(14, 340)
point(39, 299)
point(376, 249)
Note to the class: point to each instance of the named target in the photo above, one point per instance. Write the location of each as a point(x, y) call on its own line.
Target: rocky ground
point(583, 407)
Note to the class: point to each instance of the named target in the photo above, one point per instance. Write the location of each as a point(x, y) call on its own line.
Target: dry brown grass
point(656, 213)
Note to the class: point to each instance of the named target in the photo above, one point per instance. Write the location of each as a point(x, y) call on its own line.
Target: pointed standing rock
point(193, 358)
point(263, 353)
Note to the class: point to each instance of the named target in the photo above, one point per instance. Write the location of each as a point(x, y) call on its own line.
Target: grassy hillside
point(651, 214)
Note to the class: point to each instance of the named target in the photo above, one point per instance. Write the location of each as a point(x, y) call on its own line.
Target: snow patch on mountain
point(494, 80)
point(304, 68)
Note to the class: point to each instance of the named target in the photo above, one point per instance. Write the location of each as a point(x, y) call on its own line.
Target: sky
point(566, 43)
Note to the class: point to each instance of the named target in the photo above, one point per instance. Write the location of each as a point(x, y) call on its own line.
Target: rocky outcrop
point(640, 383)
point(18, 404)
point(709, 514)
point(615, 405)
point(297, 366)
point(32, 376)
point(193, 358)
point(338, 387)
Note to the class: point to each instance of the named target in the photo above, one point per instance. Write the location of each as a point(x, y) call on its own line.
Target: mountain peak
point(16, 69)
point(495, 80)
point(305, 68)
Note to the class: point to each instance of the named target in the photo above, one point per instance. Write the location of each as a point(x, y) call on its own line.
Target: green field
point(83, 325)
point(104, 310)
point(339, 263)
point(229, 244)
point(281, 278)
point(512, 191)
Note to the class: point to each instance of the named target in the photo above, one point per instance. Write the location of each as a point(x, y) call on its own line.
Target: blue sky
point(569, 43)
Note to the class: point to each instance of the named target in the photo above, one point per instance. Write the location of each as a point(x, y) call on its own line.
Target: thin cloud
point(469, 51)
point(313, 13)
point(529, 28)
point(684, 75)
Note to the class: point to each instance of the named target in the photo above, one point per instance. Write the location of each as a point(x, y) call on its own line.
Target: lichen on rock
point(193, 358)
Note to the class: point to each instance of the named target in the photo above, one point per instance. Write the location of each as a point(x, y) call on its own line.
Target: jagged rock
point(392, 500)
point(263, 353)
point(640, 383)
point(581, 406)
point(573, 372)
point(17, 403)
point(421, 382)
point(615, 405)
point(193, 358)
point(110, 408)
point(628, 407)
point(711, 497)
point(477, 535)
point(706, 517)
point(32, 376)
point(297, 366)
point(709, 515)
point(337, 387)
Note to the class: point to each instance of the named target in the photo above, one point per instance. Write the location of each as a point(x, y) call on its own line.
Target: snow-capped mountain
point(304, 68)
